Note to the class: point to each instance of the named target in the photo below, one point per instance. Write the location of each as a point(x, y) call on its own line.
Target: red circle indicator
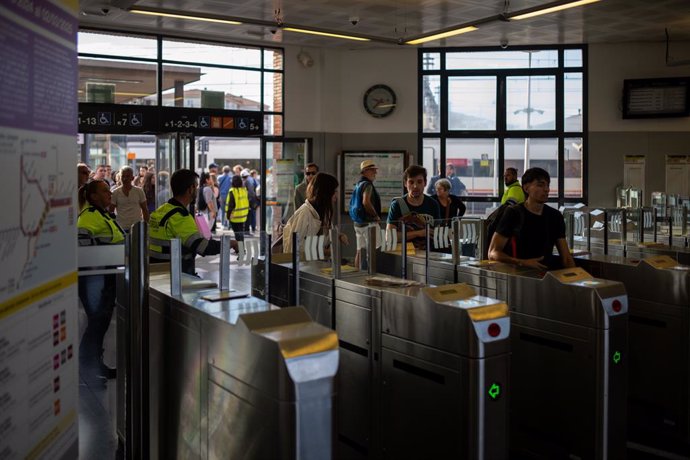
point(617, 305)
point(494, 330)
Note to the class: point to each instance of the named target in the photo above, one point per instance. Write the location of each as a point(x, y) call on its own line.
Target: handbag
point(202, 226)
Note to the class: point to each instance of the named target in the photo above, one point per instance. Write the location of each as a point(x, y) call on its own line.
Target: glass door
point(173, 151)
point(284, 162)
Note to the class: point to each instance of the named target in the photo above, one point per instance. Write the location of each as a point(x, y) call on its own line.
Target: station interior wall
point(324, 102)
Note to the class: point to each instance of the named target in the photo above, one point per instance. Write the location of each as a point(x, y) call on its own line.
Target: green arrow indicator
point(494, 391)
point(617, 357)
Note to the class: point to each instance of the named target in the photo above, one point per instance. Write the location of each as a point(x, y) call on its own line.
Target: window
point(484, 110)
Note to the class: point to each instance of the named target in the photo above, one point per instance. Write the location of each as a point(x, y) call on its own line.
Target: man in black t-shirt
point(528, 231)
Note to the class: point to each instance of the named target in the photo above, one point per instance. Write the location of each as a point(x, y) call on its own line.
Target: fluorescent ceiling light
point(184, 16)
point(450, 33)
point(552, 9)
point(325, 34)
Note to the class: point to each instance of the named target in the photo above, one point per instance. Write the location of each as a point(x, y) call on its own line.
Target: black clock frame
point(385, 88)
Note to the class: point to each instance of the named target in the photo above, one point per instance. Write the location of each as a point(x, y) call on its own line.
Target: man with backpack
point(527, 232)
point(365, 205)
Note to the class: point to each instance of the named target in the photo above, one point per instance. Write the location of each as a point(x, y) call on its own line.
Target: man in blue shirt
point(457, 188)
point(224, 187)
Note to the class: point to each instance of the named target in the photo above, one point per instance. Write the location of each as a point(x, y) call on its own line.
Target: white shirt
point(128, 208)
point(305, 221)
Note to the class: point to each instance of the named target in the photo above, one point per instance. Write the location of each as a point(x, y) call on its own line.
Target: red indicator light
point(617, 305)
point(494, 330)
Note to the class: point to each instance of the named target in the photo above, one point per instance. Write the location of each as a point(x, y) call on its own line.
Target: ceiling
point(392, 21)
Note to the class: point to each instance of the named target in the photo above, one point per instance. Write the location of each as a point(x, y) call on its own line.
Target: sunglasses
point(310, 173)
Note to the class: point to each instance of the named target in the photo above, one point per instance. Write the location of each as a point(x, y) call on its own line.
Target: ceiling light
point(450, 33)
point(558, 6)
point(325, 34)
point(184, 16)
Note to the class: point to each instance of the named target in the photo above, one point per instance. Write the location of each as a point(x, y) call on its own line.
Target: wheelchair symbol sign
point(205, 122)
point(105, 118)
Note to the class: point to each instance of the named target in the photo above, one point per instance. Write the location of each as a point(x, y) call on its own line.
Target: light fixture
point(325, 34)
point(441, 35)
point(184, 16)
point(549, 8)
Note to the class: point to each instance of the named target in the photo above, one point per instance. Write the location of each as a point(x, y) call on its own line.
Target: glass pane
point(273, 125)
point(474, 161)
point(117, 81)
point(211, 87)
point(573, 58)
point(573, 102)
point(531, 102)
point(431, 61)
point(117, 45)
point(431, 112)
point(273, 59)
point(572, 156)
point(284, 170)
point(174, 50)
point(273, 91)
point(523, 154)
point(472, 103)
point(431, 156)
point(502, 59)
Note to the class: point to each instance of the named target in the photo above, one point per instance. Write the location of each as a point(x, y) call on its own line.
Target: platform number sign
point(495, 391)
point(617, 357)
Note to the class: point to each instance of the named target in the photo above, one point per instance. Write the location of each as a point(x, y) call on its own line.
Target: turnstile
point(569, 359)
point(423, 370)
point(659, 346)
point(239, 378)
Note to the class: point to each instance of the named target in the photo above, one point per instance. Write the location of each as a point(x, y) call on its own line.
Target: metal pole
point(427, 228)
point(606, 232)
point(624, 231)
point(175, 267)
point(654, 221)
point(670, 228)
point(371, 249)
point(267, 268)
point(589, 231)
point(335, 252)
point(224, 263)
point(482, 244)
point(403, 252)
point(570, 228)
point(295, 268)
point(455, 249)
point(137, 380)
point(684, 222)
point(640, 225)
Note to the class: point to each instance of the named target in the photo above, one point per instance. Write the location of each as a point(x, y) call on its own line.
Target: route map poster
point(39, 337)
point(388, 181)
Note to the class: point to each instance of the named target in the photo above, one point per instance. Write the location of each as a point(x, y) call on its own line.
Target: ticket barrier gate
point(232, 377)
point(423, 370)
point(659, 346)
point(569, 359)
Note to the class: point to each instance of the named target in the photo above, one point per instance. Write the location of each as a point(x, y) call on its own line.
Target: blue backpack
point(357, 212)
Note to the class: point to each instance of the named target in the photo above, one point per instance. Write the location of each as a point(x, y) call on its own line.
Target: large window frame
point(443, 133)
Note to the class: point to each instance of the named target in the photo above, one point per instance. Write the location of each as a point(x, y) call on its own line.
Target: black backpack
point(201, 204)
point(494, 219)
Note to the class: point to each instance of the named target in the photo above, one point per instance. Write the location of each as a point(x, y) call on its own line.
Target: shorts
point(362, 235)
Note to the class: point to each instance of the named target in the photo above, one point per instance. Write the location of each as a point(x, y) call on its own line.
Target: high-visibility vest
point(239, 214)
point(513, 192)
point(171, 221)
point(99, 226)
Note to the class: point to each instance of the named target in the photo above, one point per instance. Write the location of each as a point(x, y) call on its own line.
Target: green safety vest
point(99, 226)
point(513, 192)
point(239, 214)
point(170, 221)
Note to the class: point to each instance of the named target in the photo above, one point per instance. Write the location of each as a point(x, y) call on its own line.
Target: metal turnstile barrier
point(569, 359)
point(659, 346)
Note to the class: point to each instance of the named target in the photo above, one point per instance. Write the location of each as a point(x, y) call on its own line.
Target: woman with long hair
point(149, 187)
point(315, 216)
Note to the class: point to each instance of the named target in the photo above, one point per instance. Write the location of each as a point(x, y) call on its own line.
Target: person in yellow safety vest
point(237, 207)
point(513, 191)
point(96, 292)
point(173, 220)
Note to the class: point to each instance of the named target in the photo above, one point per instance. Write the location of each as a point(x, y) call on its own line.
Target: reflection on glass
point(573, 58)
point(431, 61)
point(273, 59)
point(117, 81)
point(117, 45)
point(502, 59)
point(431, 156)
point(198, 86)
point(472, 103)
point(474, 161)
point(523, 154)
point(572, 158)
point(431, 110)
point(573, 102)
point(175, 50)
point(531, 102)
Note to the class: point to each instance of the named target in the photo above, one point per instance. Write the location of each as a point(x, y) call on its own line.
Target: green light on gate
point(617, 357)
point(494, 391)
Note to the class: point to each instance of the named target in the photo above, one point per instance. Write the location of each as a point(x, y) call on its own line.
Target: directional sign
point(495, 391)
point(617, 357)
point(136, 119)
point(105, 118)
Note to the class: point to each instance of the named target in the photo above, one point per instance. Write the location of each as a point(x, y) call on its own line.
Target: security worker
point(173, 220)
point(237, 207)
point(513, 191)
point(97, 292)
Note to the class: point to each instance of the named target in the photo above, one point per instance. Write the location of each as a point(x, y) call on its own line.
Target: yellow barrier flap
point(661, 262)
point(571, 275)
point(449, 292)
point(488, 312)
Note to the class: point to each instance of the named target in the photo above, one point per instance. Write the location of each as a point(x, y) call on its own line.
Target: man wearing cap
point(213, 169)
point(365, 205)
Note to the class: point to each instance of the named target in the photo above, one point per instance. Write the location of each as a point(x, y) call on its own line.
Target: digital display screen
point(656, 98)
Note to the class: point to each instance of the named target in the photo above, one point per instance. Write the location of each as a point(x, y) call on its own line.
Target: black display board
point(656, 98)
point(137, 119)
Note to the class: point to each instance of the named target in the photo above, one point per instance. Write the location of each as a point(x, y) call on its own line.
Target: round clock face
point(379, 101)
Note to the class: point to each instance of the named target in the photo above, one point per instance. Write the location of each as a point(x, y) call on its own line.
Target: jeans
point(97, 295)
